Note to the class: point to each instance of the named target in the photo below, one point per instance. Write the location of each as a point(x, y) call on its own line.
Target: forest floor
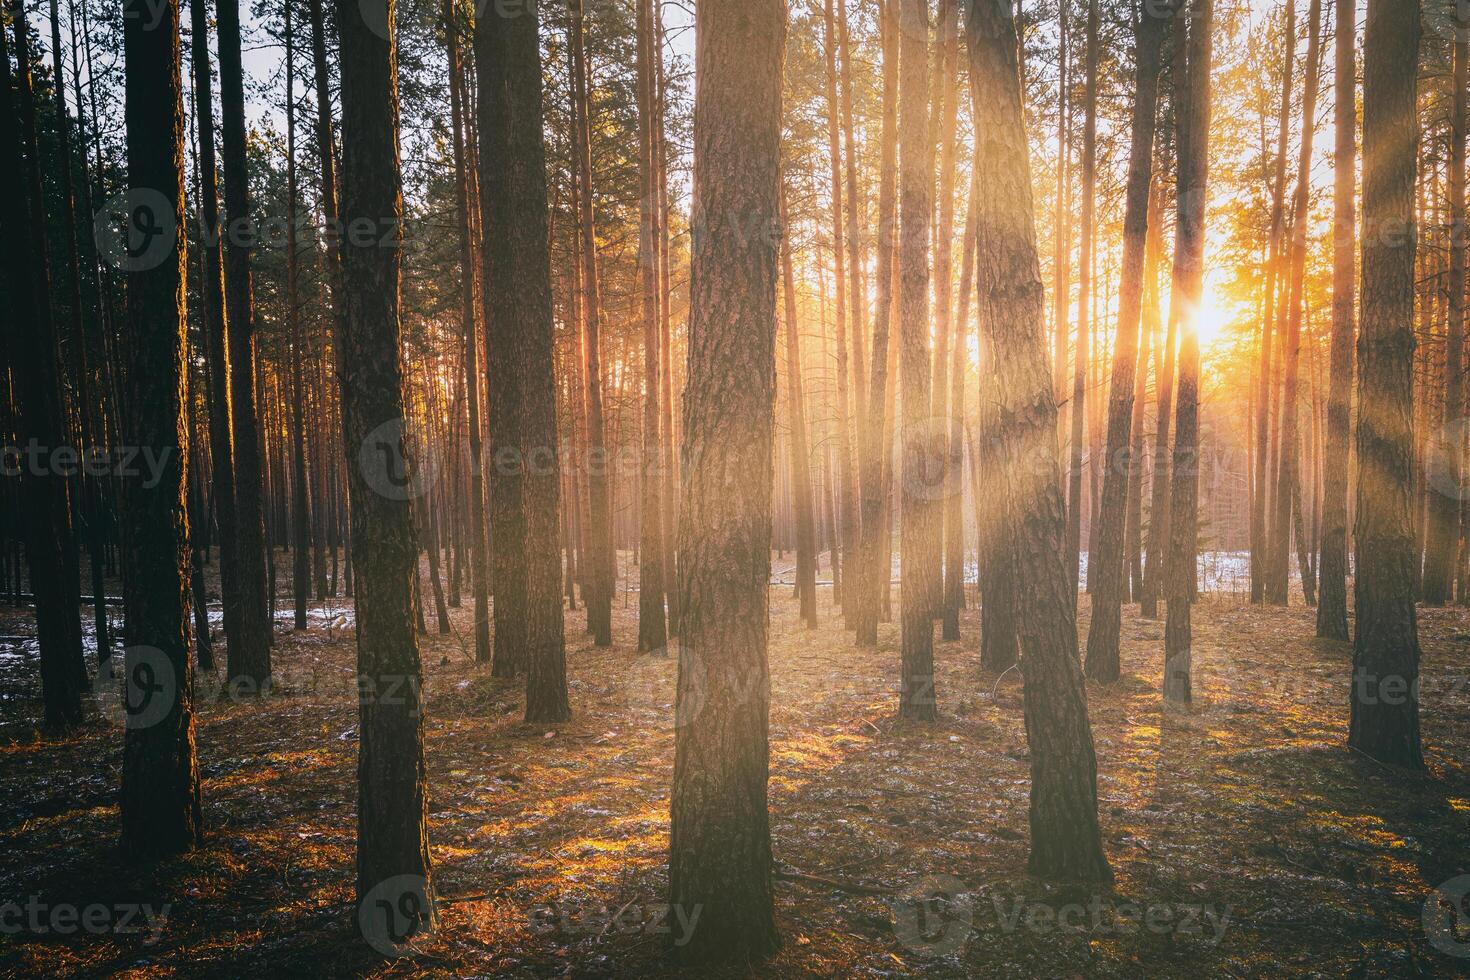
point(1247, 840)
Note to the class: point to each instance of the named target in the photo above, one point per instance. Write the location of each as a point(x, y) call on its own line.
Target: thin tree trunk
point(1107, 563)
point(873, 570)
point(1332, 564)
point(251, 662)
point(1149, 335)
point(1078, 413)
point(948, 355)
point(801, 472)
point(1193, 99)
point(917, 697)
point(652, 625)
point(301, 492)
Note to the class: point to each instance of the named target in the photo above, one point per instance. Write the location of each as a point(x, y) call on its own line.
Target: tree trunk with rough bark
point(395, 895)
point(1107, 564)
point(1385, 694)
point(159, 801)
point(720, 837)
point(1066, 843)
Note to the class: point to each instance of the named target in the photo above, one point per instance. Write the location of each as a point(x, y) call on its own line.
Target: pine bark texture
point(720, 838)
point(1066, 842)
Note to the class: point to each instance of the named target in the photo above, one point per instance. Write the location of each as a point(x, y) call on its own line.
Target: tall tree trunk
point(600, 559)
point(1446, 462)
point(518, 289)
point(1288, 477)
point(1332, 563)
point(1385, 696)
point(873, 571)
point(479, 570)
point(1193, 99)
point(1148, 335)
point(801, 470)
point(652, 626)
point(948, 354)
point(1262, 573)
point(1078, 411)
point(720, 839)
point(159, 801)
point(857, 278)
point(954, 495)
point(394, 893)
point(51, 554)
point(301, 491)
point(1065, 840)
point(920, 540)
point(250, 659)
point(1151, 24)
point(1062, 216)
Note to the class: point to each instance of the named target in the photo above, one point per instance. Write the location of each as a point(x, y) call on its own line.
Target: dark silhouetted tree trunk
point(30, 335)
point(394, 891)
point(1106, 569)
point(250, 659)
point(159, 801)
point(1065, 840)
point(1385, 695)
point(519, 311)
point(300, 487)
point(720, 837)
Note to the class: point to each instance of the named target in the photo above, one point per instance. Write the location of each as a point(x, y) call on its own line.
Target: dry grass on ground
point(1254, 839)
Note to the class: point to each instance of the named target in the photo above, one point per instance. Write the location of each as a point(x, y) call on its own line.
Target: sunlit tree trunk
point(1078, 408)
point(1385, 695)
point(159, 802)
point(1288, 477)
point(250, 659)
point(598, 593)
point(1066, 843)
point(872, 570)
point(917, 510)
point(1332, 607)
point(1192, 96)
point(1106, 568)
point(1446, 459)
point(652, 625)
point(801, 471)
point(720, 838)
point(1262, 572)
